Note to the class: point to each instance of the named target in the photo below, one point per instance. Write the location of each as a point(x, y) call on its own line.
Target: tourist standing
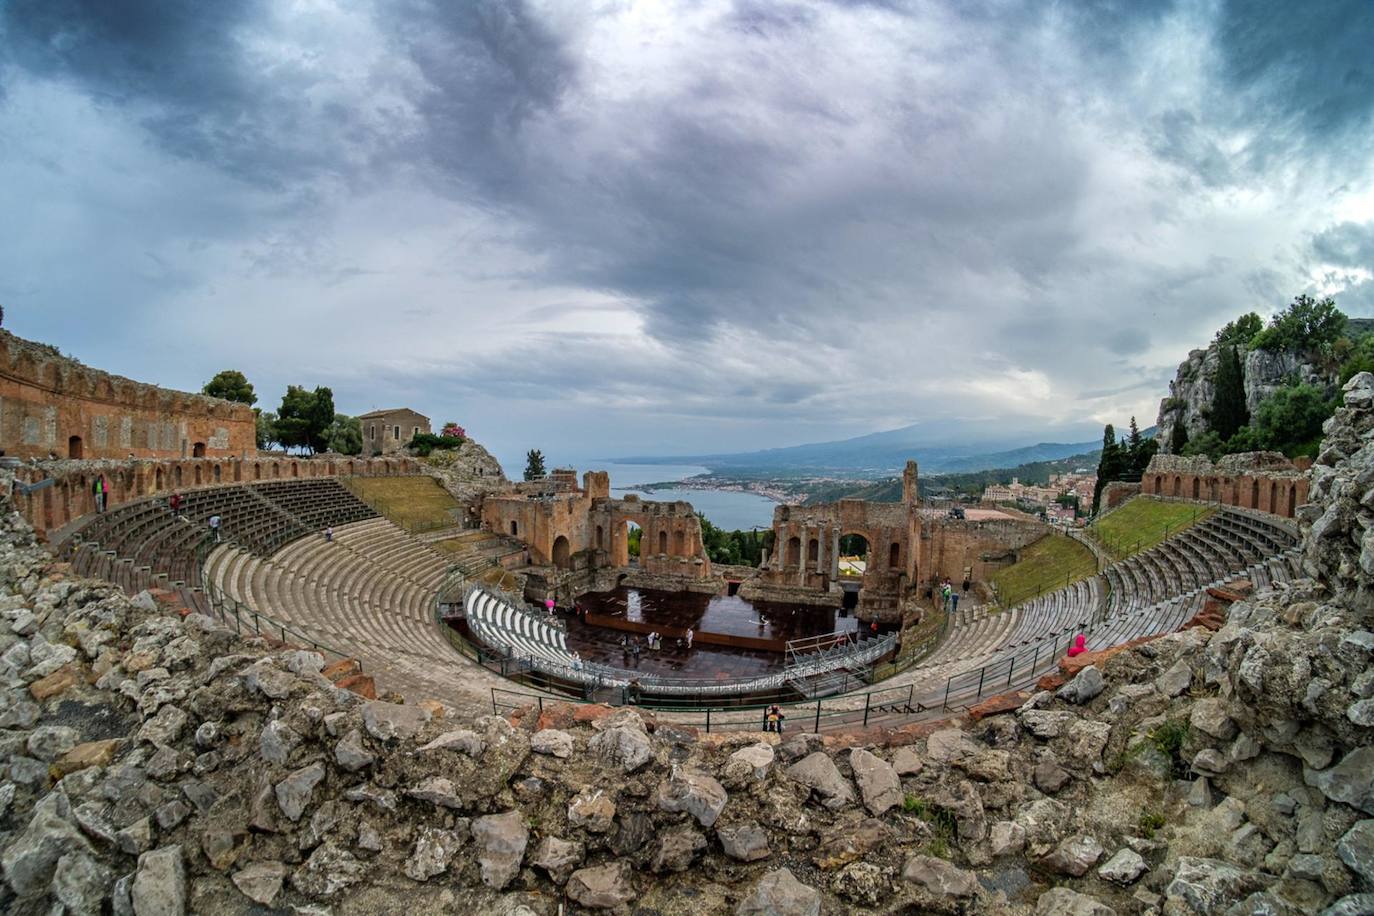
point(773, 719)
point(214, 526)
point(954, 602)
point(1079, 645)
point(329, 534)
point(690, 634)
point(175, 504)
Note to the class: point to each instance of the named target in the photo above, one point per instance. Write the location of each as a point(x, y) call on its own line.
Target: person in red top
point(1079, 645)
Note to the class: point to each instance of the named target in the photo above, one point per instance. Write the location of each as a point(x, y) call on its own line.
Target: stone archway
point(75, 447)
point(198, 450)
point(562, 552)
point(793, 557)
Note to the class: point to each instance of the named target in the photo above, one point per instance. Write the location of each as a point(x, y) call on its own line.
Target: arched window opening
point(794, 551)
point(514, 528)
point(75, 447)
point(198, 450)
point(663, 542)
point(894, 555)
point(813, 551)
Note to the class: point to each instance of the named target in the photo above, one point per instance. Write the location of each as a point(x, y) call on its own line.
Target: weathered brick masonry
point(53, 406)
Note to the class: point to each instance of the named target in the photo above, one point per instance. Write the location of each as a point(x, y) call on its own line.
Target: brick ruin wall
point(52, 405)
point(578, 529)
point(1266, 481)
point(952, 548)
point(49, 506)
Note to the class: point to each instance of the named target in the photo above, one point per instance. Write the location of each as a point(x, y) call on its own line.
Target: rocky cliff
point(1192, 390)
point(467, 473)
point(153, 762)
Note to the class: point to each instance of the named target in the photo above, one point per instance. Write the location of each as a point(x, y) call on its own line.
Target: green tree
point(1110, 465)
point(1228, 399)
point(266, 427)
point(1290, 420)
point(632, 540)
point(304, 418)
point(345, 435)
point(534, 465)
point(1240, 332)
point(1360, 359)
point(1178, 436)
point(1308, 325)
point(231, 385)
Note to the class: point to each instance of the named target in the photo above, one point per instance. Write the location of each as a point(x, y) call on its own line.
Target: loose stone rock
point(779, 893)
point(159, 887)
point(940, 877)
point(604, 887)
point(260, 882)
point(877, 780)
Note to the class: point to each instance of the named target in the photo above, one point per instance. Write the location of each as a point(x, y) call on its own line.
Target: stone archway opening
point(75, 447)
point(663, 542)
point(855, 557)
point(198, 450)
point(793, 557)
point(562, 552)
point(600, 538)
point(633, 536)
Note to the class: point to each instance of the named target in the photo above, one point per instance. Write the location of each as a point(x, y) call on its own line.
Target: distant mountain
point(879, 454)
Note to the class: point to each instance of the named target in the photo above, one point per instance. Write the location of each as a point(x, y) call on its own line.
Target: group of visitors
point(949, 597)
point(773, 719)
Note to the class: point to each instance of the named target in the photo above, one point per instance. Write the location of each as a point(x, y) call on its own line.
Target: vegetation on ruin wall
point(1052, 562)
point(1142, 522)
point(414, 503)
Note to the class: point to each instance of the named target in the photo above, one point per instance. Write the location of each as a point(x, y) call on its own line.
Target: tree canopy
point(305, 417)
point(231, 385)
point(534, 465)
point(267, 427)
point(1307, 326)
point(1240, 332)
point(345, 435)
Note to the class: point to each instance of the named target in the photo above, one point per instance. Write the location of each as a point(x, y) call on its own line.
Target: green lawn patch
point(1142, 522)
point(1052, 562)
point(416, 503)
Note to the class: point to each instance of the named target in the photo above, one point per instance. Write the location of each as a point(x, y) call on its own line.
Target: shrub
point(424, 443)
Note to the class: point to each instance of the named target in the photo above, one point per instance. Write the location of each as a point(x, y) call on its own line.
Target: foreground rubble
point(154, 763)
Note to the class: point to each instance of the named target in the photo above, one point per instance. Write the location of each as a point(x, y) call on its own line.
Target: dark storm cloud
point(1346, 245)
point(978, 204)
point(202, 79)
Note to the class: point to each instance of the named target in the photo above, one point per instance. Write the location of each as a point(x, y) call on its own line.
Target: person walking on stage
point(690, 634)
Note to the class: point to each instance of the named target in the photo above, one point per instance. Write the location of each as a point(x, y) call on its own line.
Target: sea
point(726, 509)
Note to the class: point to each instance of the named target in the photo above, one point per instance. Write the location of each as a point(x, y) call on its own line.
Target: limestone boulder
point(1085, 686)
point(159, 887)
point(604, 887)
point(1063, 901)
point(260, 882)
point(1123, 868)
point(622, 747)
point(779, 893)
point(501, 841)
point(695, 793)
point(746, 842)
point(877, 781)
point(558, 857)
point(818, 773)
point(941, 878)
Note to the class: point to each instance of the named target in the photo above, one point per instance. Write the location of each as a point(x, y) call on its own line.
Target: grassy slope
point(1142, 522)
point(415, 503)
point(1051, 562)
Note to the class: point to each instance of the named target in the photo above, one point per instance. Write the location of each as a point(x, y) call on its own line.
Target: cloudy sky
point(664, 227)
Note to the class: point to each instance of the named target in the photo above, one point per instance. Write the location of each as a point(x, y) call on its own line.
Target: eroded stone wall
point(53, 406)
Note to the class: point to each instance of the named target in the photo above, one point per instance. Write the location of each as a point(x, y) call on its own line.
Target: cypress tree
point(1108, 466)
point(1178, 438)
point(1228, 401)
